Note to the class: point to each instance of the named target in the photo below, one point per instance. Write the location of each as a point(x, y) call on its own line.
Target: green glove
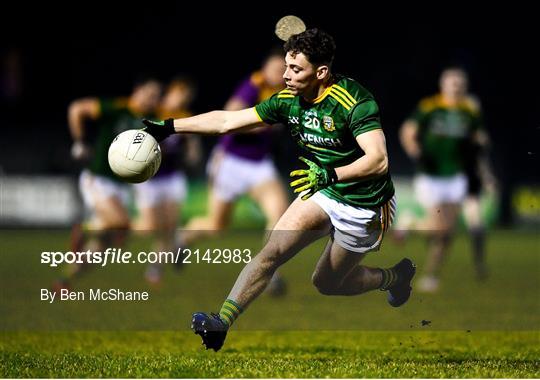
point(159, 129)
point(313, 179)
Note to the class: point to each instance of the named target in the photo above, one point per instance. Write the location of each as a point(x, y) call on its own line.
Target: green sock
point(389, 278)
point(229, 312)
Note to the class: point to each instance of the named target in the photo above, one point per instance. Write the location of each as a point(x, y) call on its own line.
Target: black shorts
point(472, 158)
point(474, 183)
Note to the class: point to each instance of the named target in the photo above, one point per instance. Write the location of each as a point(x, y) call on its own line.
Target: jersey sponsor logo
point(318, 140)
point(451, 124)
point(139, 137)
point(328, 123)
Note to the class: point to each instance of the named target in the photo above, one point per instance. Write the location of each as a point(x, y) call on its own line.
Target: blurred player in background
point(346, 192)
point(159, 199)
point(241, 164)
point(479, 177)
point(439, 136)
point(105, 196)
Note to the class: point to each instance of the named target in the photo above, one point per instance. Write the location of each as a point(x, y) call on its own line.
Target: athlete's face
point(273, 71)
point(300, 75)
point(178, 97)
point(453, 83)
point(146, 96)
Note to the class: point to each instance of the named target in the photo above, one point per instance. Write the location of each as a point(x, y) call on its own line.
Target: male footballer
point(345, 189)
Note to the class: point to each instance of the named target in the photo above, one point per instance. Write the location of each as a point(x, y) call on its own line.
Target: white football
point(134, 156)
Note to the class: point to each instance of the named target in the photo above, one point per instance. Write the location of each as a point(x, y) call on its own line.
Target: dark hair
point(182, 79)
point(317, 45)
point(456, 68)
point(275, 51)
point(145, 78)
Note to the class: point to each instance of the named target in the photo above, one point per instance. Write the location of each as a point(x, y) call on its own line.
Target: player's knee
point(118, 222)
point(145, 227)
point(324, 284)
point(115, 236)
point(219, 225)
point(213, 225)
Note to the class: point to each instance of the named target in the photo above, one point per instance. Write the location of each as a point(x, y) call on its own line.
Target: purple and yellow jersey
point(445, 134)
point(251, 146)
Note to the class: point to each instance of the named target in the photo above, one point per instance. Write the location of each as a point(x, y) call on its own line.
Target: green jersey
point(115, 117)
point(327, 128)
point(444, 134)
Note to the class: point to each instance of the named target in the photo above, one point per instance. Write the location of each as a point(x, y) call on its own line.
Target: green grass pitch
point(476, 329)
point(272, 354)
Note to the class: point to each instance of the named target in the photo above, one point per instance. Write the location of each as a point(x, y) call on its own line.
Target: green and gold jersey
point(328, 128)
point(444, 134)
point(115, 117)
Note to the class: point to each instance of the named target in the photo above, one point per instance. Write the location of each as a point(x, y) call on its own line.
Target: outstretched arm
point(218, 122)
point(210, 123)
point(79, 111)
point(235, 104)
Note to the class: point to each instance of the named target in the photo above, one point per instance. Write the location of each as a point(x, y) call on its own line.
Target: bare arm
point(408, 135)
point(79, 111)
point(374, 163)
point(236, 104)
point(219, 122)
point(481, 138)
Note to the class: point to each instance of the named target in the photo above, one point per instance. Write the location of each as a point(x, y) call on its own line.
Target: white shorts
point(357, 229)
point(172, 187)
point(234, 176)
point(95, 188)
point(431, 191)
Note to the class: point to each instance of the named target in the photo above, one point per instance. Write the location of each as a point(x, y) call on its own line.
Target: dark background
point(98, 49)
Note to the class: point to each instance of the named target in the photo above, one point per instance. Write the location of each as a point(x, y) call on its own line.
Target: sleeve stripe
point(257, 113)
point(345, 92)
point(347, 107)
point(343, 98)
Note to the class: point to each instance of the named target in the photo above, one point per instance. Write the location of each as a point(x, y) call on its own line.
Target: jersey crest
point(328, 123)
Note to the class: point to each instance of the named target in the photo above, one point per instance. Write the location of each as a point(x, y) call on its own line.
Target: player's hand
point(160, 130)
point(312, 179)
point(79, 151)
